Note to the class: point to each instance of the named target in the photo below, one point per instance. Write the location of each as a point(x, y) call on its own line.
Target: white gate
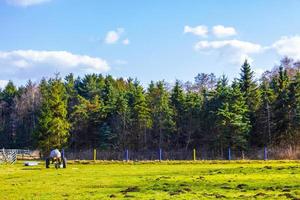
point(8, 156)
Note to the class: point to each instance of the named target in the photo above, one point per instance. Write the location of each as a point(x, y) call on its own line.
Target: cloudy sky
point(150, 40)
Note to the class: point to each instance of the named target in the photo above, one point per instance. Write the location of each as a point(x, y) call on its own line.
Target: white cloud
point(26, 3)
point(235, 51)
point(126, 41)
point(121, 62)
point(221, 31)
point(198, 30)
point(112, 37)
point(30, 64)
point(288, 46)
point(3, 83)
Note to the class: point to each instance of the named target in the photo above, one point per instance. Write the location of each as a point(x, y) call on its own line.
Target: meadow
point(153, 180)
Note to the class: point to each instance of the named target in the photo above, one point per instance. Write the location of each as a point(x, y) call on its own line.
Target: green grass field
point(153, 180)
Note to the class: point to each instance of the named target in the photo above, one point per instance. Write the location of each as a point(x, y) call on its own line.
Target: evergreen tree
point(179, 110)
point(193, 106)
point(251, 94)
point(140, 117)
point(264, 115)
point(121, 122)
point(53, 130)
point(281, 107)
point(8, 125)
point(233, 120)
point(162, 115)
point(87, 120)
point(294, 102)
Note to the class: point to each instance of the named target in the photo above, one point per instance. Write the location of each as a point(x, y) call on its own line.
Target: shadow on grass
point(31, 169)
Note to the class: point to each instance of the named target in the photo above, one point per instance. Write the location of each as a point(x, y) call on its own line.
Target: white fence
point(8, 156)
point(11, 155)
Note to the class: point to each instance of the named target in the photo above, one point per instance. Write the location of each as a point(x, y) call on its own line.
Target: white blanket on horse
point(55, 154)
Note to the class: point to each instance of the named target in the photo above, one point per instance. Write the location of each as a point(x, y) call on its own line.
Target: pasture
point(153, 180)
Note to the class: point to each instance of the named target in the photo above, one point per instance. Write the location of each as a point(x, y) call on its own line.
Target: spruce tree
point(179, 109)
point(8, 123)
point(87, 120)
point(140, 117)
point(251, 94)
point(233, 120)
point(264, 115)
point(281, 107)
point(294, 103)
point(162, 115)
point(53, 130)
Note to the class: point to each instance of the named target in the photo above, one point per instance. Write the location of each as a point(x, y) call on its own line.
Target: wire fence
point(161, 154)
point(194, 154)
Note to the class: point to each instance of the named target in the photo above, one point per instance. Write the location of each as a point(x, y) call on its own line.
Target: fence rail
point(161, 154)
point(194, 154)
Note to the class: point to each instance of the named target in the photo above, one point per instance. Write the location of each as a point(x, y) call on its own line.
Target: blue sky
point(150, 40)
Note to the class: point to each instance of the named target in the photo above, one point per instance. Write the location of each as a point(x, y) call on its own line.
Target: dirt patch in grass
point(176, 192)
point(131, 189)
point(260, 194)
point(187, 189)
point(201, 178)
point(241, 186)
point(289, 196)
point(225, 186)
point(216, 195)
point(267, 167)
point(162, 177)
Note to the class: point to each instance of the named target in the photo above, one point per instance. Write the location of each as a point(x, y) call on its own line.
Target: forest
point(103, 112)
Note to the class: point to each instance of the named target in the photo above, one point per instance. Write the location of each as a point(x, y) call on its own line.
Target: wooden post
point(194, 154)
point(95, 154)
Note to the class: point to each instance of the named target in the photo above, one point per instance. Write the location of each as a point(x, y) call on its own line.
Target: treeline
point(114, 114)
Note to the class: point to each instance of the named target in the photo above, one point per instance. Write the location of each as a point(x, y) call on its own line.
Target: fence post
point(126, 155)
point(160, 154)
point(95, 154)
point(229, 153)
point(194, 154)
point(62, 153)
point(265, 153)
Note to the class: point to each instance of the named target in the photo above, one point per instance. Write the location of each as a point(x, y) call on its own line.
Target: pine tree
point(70, 85)
point(140, 117)
point(87, 120)
point(294, 102)
point(121, 122)
point(251, 94)
point(193, 106)
point(90, 86)
point(281, 107)
point(162, 114)
point(233, 120)
point(264, 115)
point(178, 105)
point(53, 130)
point(8, 122)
